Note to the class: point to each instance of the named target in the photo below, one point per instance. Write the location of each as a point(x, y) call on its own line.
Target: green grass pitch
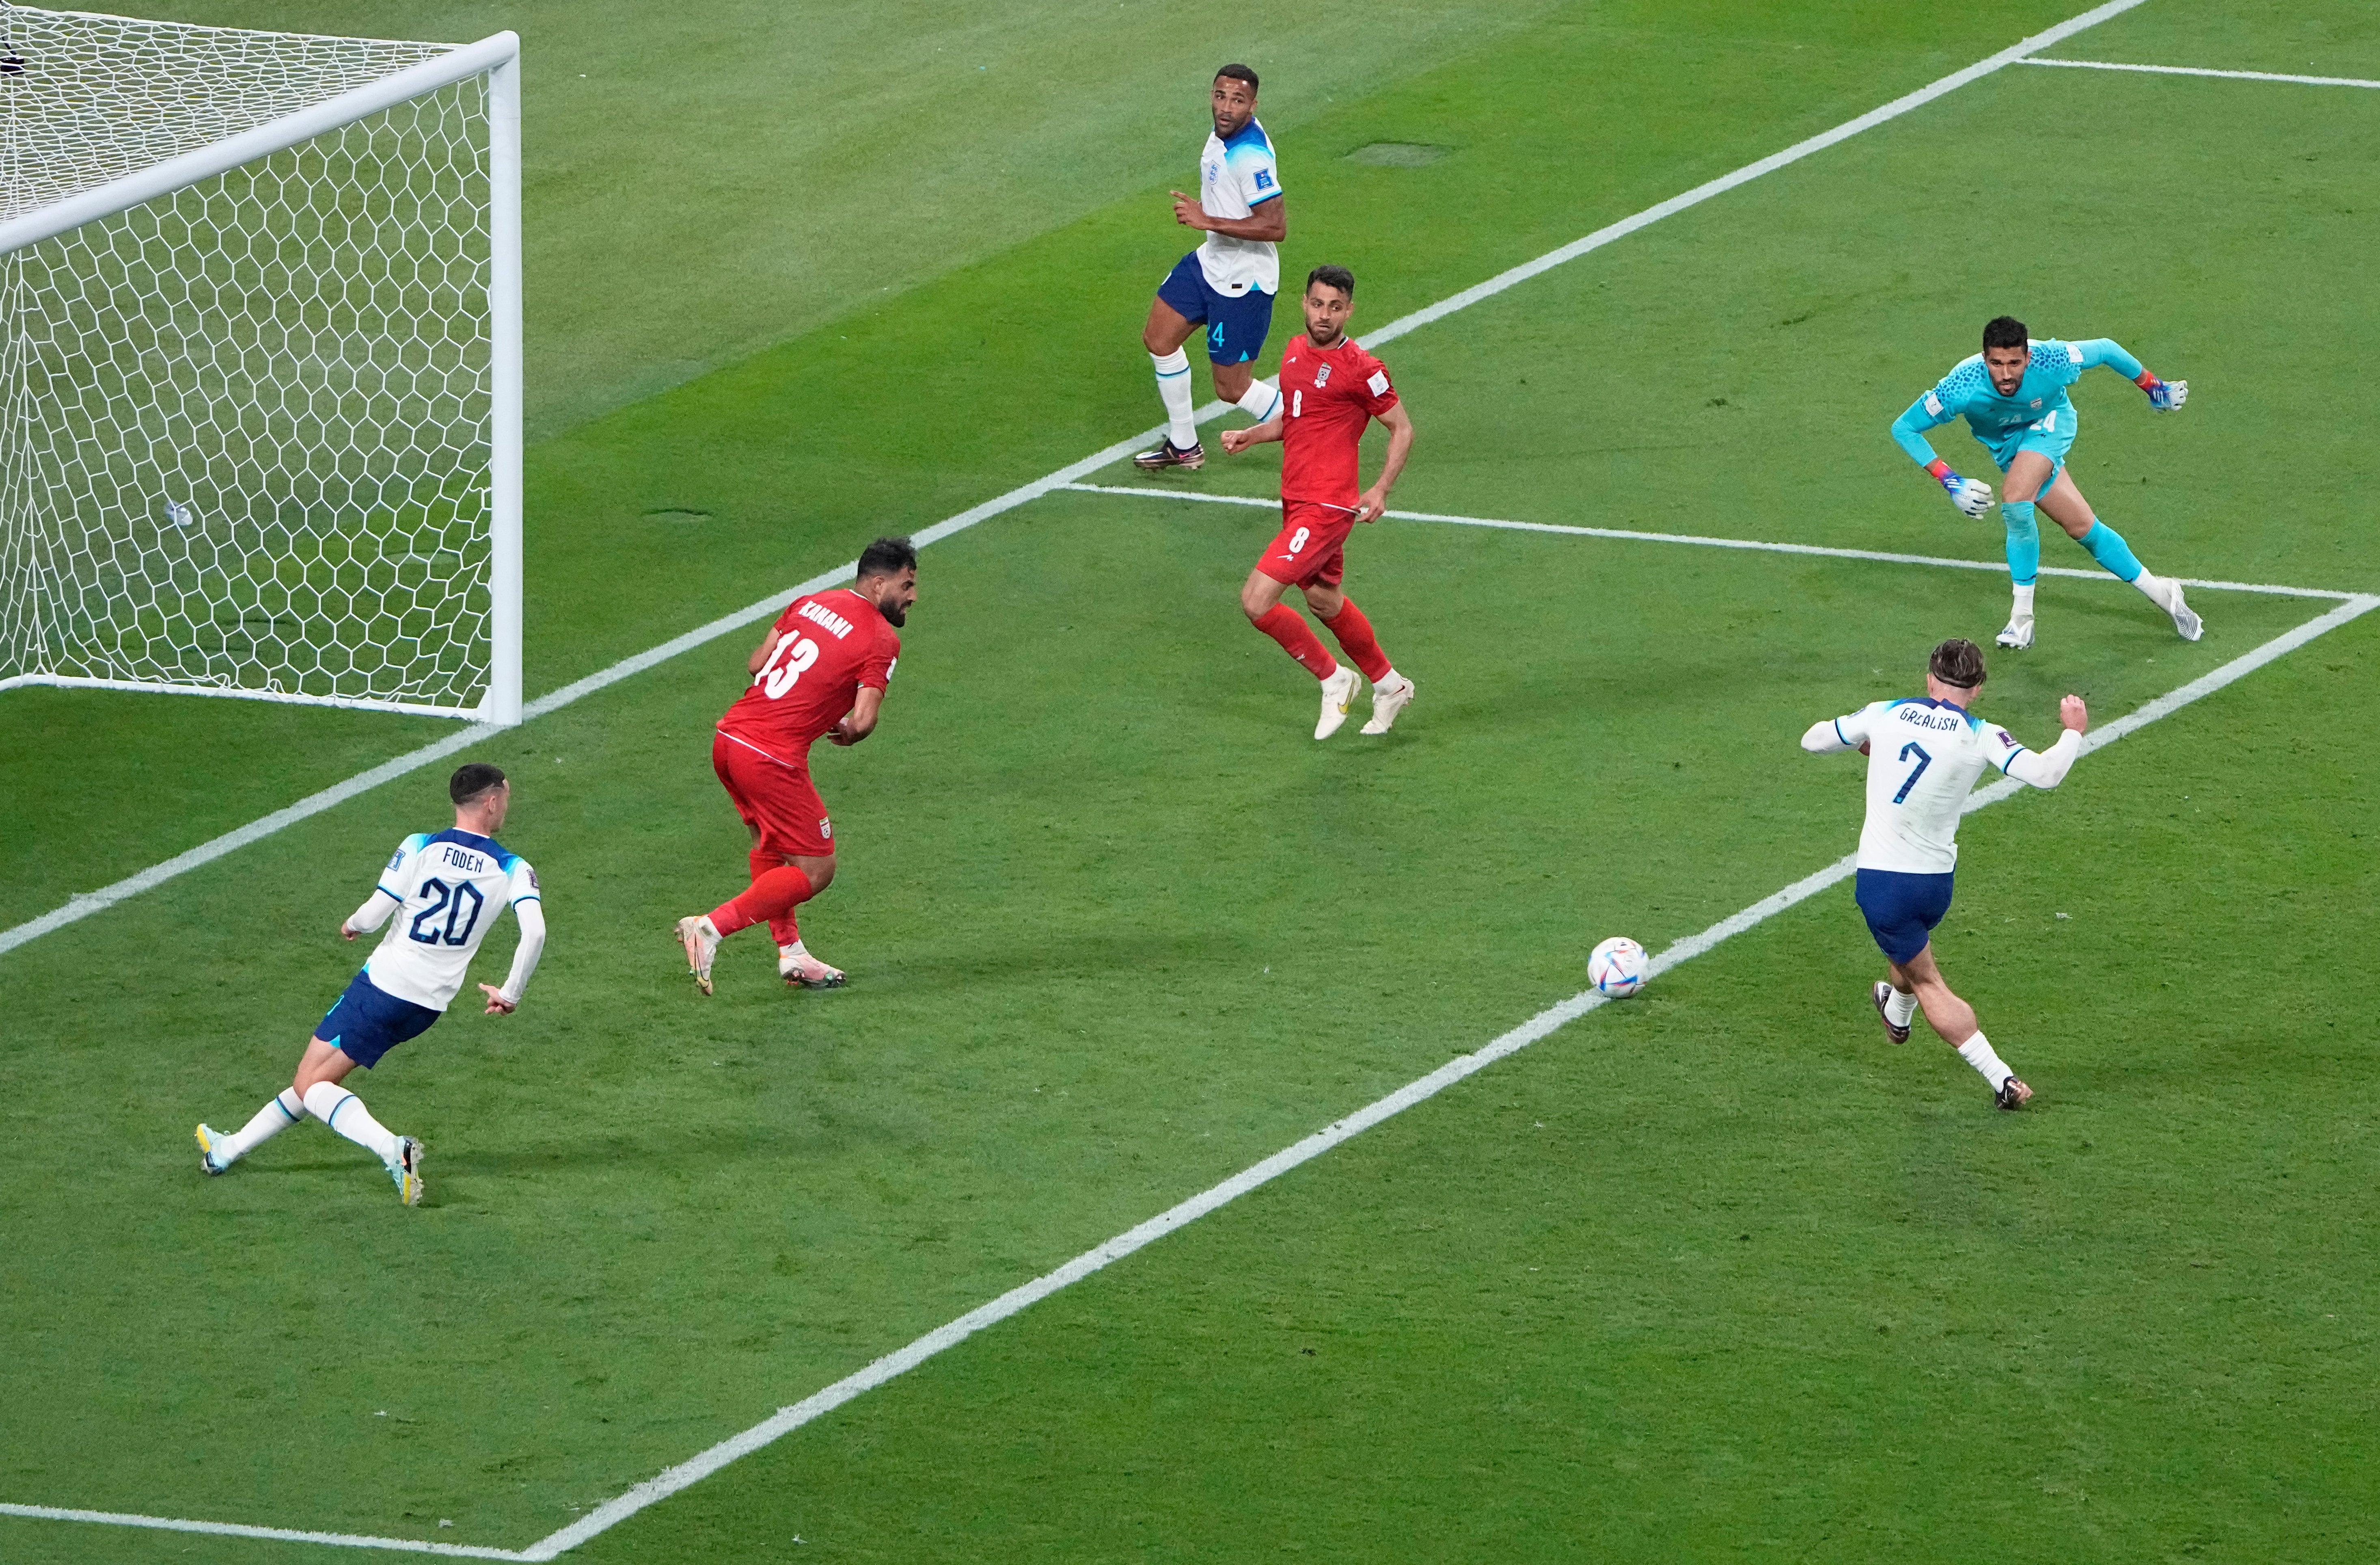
point(1712, 1273)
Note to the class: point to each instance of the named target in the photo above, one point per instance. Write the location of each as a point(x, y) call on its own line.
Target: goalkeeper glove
point(1971, 496)
point(2166, 395)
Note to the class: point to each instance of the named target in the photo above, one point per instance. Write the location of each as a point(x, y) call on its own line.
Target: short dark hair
point(2005, 330)
point(887, 556)
point(1958, 663)
point(1337, 277)
point(472, 778)
point(1238, 73)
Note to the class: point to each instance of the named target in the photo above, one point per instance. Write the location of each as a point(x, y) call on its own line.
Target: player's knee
point(1256, 602)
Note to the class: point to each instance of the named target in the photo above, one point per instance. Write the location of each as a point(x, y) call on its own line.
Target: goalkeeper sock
point(771, 896)
point(270, 1121)
point(2024, 541)
point(1977, 1052)
point(1283, 624)
point(1173, 389)
point(1261, 403)
point(2107, 546)
point(1353, 632)
point(1899, 1006)
point(345, 1112)
point(2022, 609)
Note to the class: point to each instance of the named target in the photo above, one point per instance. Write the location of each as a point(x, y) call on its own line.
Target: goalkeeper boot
point(405, 1172)
point(207, 1139)
point(1894, 1030)
point(701, 943)
point(2012, 1095)
point(801, 970)
point(2186, 622)
point(1338, 694)
point(1387, 701)
point(1165, 454)
point(2017, 633)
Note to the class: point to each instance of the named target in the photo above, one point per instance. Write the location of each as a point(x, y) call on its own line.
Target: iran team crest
point(1322, 376)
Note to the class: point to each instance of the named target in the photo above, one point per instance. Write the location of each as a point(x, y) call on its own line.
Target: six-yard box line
point(2352, 606)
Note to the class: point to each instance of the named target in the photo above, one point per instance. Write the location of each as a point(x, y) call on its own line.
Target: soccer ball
point(1616, 967)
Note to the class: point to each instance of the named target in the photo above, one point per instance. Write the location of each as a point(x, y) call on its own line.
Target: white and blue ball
point(1617, 967)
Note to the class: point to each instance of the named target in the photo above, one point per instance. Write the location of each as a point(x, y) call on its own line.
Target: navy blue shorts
point(1236, 327)
point(1902, 910)
point(367, 1022)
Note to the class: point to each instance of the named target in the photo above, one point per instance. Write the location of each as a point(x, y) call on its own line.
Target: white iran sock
point(1261, 403)
point(345, 1112)
point(2023, 608)
point(270, 1121)
point(2156, 588)
point(1173, 388)
point(1899, 1007)
point(1977, 1052)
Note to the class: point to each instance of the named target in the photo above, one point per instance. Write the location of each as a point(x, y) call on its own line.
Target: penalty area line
point(88, 903)
point(236, 1529)
point(2202, 70)
point(1541, 1025)
point(1631, 535)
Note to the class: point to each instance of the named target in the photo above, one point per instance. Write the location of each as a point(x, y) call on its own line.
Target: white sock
point(1977, 1052)
point(1899, 1007)
point(1174, 387)
point(345, 1112)
point(2155, 588)
point(2024, 609)
point(1389, 679)
point(270, 1121)
point(1261, 403)
point(787, 953)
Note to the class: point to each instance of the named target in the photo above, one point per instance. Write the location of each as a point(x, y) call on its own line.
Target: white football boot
point(2017, 633)
point(405, 1172)
point(701, 943)
point(1338, 694)
point(2186, 622)
point(802, 970)
point(1387, 701)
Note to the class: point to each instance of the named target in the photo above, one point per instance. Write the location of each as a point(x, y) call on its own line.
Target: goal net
point(259, 364)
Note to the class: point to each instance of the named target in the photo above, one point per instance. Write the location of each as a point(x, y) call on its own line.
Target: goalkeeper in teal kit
point(2013, 398)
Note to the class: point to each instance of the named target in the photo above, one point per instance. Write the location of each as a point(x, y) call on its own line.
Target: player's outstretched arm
point(1374, 502)
point(1237, 441)
point(2164, 395)
point(1831, 735)
point(1971, 496)
point(2048, 768)
point(371, 914)
point(530, 914)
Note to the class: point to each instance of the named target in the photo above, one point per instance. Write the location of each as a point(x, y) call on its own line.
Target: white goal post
point(259, 364)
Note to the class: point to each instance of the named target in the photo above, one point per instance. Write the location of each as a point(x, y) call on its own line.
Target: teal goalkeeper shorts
point(2054, 443)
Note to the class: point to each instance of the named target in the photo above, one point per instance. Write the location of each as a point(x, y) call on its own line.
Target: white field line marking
point(678, 1477)
point(234, 1530)
point(2201, 71)
point(1540, 1025)
point(88, 903)
point(1628, 535)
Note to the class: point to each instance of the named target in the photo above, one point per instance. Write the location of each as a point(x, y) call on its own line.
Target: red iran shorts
point(776, 800)
point(1307, 552)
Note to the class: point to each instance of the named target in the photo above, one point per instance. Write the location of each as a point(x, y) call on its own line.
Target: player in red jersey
point(1331, 392)
point(821, 668)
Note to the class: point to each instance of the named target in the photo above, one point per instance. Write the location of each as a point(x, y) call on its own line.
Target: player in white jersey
point(1228, 283)
point(446, 891)
point(1924, 758)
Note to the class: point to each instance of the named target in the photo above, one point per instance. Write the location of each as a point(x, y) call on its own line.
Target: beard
point(898, 615)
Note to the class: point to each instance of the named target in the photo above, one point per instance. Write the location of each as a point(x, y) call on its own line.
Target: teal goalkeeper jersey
point(1995, 421)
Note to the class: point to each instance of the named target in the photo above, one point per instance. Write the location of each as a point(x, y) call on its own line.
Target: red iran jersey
point(829, 645)
point(1332, 394)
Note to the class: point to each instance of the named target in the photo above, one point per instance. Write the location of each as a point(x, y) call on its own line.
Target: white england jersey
point(1235, 178)
point(449, 890)
point(1924, 758)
